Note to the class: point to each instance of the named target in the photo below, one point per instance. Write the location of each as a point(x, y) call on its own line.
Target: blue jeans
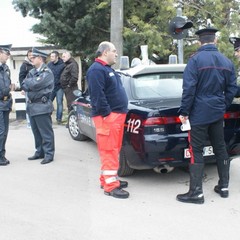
point(59, 98)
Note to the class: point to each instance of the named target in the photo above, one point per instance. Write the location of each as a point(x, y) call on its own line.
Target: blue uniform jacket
point(106, 90)
point(39, 86)
point(5, 88)
point(209, 86)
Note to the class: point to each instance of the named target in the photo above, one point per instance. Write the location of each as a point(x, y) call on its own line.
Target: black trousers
point(41, 126)
point(198, 136)
point(4, 126)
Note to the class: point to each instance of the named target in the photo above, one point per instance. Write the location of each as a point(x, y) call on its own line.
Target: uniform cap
point(236, 43)
point(206, 31)
point(6, 48)
point(36, 53)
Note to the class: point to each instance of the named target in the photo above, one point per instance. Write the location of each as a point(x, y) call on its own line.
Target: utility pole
point(117, 27)
point(180, 41)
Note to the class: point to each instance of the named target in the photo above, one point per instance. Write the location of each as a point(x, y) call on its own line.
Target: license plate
point(207, 151)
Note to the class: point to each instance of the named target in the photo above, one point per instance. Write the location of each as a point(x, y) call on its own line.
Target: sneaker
point(118, 193)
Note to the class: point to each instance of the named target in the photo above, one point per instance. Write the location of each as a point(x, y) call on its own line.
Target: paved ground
point(63, 201)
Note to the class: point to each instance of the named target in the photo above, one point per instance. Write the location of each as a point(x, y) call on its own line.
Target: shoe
point(46, 161)
point(123, 184)
point(6, 160)
point(35, 157)
point(117, 193)
point(59, 122)
point(191, 197)
point(3, 162)
point(223, 192)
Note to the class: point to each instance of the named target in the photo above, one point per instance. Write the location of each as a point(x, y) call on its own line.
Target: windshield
point(160, 85)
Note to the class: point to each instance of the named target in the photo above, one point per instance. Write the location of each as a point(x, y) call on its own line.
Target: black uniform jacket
point(209, 86)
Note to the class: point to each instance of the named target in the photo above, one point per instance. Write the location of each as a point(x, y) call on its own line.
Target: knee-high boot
point(223, 173)
point(195, 193)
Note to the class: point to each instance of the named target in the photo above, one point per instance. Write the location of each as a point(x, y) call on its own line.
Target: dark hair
point(56, 53)
point(207, 38)
point(29, 51)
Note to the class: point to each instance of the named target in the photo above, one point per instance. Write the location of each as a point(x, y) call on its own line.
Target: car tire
point(74, 129)
point(124, 169)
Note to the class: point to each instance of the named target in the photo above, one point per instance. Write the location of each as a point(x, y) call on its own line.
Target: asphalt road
point(63, 201)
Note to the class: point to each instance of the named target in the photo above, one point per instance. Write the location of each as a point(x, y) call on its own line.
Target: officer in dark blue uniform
point(39, 85)
point(209, 86)
point(5, 100)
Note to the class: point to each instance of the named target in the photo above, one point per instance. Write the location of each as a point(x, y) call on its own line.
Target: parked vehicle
point(152, 137)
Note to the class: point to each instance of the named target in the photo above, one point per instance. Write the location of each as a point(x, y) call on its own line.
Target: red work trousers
point(109, 134)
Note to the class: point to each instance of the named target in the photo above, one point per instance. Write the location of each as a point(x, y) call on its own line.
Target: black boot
point(195, 193)
point(223, 173)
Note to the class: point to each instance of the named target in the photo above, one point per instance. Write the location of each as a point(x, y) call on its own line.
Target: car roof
point(158, 68)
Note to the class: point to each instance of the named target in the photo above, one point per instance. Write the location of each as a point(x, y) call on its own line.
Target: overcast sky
point(15, 29)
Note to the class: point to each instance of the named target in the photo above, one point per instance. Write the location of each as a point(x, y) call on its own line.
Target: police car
point(152, 137)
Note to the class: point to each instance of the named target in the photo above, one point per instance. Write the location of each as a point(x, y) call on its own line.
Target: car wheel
point(124, 169)
point(73, 127)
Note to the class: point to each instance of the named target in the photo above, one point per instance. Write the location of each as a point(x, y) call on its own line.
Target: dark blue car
point(152, 137)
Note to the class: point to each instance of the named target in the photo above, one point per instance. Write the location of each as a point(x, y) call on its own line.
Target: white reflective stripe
point(110, 180)
point(224, 189)
point(109, 172)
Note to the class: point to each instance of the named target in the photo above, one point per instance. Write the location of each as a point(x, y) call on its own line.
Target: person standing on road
point(209, 86)
point(57, 65)
point(109, 107)
point(39, 85)
point(24, 70)
point(69, 78)
point(5, 101)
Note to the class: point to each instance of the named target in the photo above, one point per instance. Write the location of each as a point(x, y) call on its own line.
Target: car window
point(161, 85)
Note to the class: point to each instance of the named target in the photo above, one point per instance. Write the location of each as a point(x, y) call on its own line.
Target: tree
point(79, 25)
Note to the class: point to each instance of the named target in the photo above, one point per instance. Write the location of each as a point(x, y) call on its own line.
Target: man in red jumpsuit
point(109, 107)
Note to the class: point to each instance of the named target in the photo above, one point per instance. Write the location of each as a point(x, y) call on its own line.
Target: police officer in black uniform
point(5, 100)
point(209, 86)
point(39, 84)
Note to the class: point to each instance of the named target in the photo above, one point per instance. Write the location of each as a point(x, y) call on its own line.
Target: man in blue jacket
point(209, 86)
point(109, 107)
point(57, 65)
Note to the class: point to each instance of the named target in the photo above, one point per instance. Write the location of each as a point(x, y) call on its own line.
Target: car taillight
point(231, 115)
point(161, 121)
